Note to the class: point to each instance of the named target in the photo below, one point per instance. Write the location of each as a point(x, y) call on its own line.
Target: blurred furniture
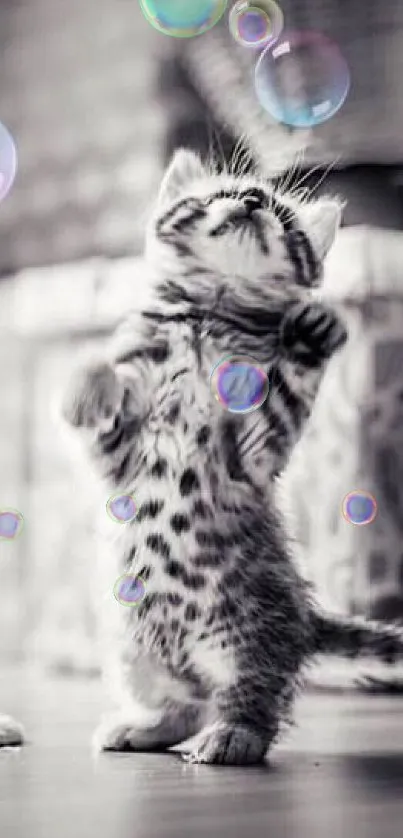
point(355, 440)
point(77, 95)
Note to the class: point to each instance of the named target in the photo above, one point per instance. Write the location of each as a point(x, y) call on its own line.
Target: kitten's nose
point(245, 208)
point(251, 204)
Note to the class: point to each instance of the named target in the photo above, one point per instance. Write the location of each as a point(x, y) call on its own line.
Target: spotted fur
point(218, 644)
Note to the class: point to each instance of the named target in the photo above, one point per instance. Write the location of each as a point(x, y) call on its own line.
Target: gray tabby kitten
point(218, 644)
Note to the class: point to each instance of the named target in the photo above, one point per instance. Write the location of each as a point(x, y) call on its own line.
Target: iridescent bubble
point(183, 18)
point(121, 508)
point(359, 508)
point(129, 590)
point(11, 524)
point(302, 80)
point(255, 23)
point(239, 384)
point(8, 161)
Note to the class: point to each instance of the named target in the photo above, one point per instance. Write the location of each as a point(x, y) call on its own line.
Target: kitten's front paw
point(312, 332)
point(121, 732)
point(223, 744)
point(11, 733)
point(93, 397)
point(115, 734)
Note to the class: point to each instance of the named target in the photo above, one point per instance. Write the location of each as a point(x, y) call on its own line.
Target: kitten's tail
point(356, 638)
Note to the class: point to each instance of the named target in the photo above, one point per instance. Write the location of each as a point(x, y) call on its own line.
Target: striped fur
point(218, 643)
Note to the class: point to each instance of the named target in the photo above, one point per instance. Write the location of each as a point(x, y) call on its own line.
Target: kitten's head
point(212, 230)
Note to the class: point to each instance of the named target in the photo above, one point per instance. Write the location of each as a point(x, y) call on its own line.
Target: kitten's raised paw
point(223, 744)
point(312, 332)
point(11, 732)
point(93, 397)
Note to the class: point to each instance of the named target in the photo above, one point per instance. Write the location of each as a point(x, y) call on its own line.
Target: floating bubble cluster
point(359, 508)
point(121, 508)
point(239, 384)
point(183, 18)
point(302, 80)
point(11, 524)
point(8, 162)
point(256, 23)
point(129, 590)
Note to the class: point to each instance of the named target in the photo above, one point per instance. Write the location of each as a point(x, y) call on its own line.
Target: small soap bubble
point(239, 384)
point(11, 524)
point(302, 79)
point(256, 23)
point(121, 508)
point(129, 590)
point(182, 18)
point(8, 162)
point(359, 508)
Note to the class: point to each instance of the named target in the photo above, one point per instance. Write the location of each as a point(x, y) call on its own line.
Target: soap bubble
point(239, 384)
point(11, 524)
point(302, 80)
point(129, 590)
point(8, 162)
point(183, 18)
point(255, 23)
point(121, 508)
point(359, 508)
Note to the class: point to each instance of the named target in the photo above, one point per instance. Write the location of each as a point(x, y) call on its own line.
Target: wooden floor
point(339, 773)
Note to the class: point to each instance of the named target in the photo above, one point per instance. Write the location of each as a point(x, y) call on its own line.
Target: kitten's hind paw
point(223, 744)
point(11, 732)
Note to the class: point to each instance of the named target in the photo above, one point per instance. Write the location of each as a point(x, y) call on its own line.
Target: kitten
point(218, 644)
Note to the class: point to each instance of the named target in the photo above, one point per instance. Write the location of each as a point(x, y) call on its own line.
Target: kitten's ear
point(322, 219)
point(184, 167)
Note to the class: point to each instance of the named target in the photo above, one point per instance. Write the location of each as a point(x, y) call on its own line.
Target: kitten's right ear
point(184, 167)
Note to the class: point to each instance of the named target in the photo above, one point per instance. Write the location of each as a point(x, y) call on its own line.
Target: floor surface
point(338, 773)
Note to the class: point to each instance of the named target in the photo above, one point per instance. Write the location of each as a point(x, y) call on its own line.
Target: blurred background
point(96, 100)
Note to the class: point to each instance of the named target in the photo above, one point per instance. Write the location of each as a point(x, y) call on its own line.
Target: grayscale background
point(96, 101)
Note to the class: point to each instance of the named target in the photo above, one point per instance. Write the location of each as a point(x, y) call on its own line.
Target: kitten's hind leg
point(137, 729)
point(247, 721)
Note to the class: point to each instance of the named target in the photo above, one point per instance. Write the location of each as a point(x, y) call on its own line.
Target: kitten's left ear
point(184, 167)
point(322, 219)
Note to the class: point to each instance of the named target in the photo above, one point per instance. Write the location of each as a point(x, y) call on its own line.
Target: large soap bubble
point(183, 18)
point(302, 79)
